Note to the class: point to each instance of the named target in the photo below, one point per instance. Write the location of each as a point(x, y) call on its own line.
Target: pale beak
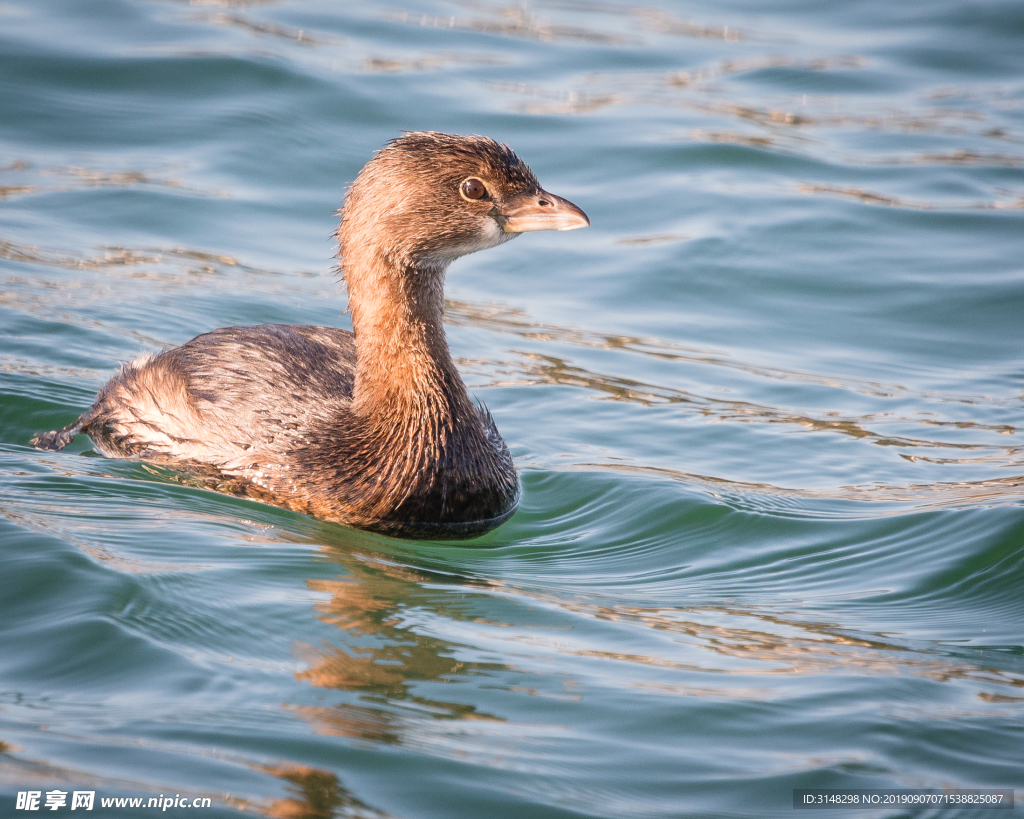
point(540, 211)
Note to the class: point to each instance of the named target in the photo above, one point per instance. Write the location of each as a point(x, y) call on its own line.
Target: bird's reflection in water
point(315, 794)
point(382, 656)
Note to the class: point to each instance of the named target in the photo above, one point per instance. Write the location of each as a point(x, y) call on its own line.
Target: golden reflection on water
point(297, 35)
point(314, 794)
point(869, 198)
point(35, 367)
point(719, 651)
point(790, 125)
point(535, 369)
point(804, 124)
point(659, 21)
point(168, 269)
point(960, 157)
point(428, 62)
point(770, 644)
point(511, 21)
point(113, 257)
point(731, 138)
point(509, 320)
point(33, 180)
point(383, 656)
point(17, 771)
point(650, 240)
point(1008, 490)
point(10, 191)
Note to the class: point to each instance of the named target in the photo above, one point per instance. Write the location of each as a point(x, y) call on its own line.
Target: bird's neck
point(403, 365)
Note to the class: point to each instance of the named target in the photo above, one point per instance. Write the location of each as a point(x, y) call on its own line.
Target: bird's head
point(428, 198)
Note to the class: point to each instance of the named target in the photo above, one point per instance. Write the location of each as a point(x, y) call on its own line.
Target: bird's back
point(235, 398)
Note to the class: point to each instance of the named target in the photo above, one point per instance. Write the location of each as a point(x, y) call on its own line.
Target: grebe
point(372, 428)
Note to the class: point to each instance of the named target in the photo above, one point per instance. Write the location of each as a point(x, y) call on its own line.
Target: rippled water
point(767, 410)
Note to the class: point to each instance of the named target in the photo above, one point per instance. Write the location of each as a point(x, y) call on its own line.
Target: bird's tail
point(60, 438)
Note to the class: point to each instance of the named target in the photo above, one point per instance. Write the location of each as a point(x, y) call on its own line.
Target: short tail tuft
point(58, 439)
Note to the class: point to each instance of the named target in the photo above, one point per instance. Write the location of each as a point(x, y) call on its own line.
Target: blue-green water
point(767, 411)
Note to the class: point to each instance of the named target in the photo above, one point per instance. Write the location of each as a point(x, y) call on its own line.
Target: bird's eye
point(473, 189)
